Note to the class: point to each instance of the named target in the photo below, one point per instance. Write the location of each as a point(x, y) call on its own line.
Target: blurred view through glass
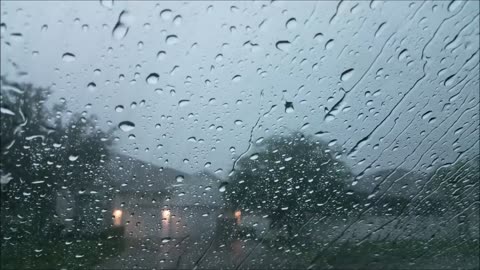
point(240, 135)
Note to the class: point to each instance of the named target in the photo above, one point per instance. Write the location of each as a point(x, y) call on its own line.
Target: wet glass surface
point(239, 135)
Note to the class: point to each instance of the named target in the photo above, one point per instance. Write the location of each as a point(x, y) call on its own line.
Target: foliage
point(288, 176)
point(44, 151)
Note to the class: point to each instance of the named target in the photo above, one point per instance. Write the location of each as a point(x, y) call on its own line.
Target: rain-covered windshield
point(239, 135)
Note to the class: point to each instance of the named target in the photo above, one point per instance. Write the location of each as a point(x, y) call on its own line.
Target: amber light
point(117, 217)
point(238, 216)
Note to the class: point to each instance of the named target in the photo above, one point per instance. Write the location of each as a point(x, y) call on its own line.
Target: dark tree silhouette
point(288, 176)
point(44, 151)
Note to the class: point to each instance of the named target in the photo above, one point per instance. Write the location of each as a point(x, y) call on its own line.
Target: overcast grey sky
point(393, 84)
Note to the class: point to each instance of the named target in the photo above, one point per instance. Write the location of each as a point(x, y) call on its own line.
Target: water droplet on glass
point(6, 111)
point(223, 187)
point(152, 78)
point(254, 157)
point(119, 108)
point(72, 157)
point(161, 55)
point(166, 239)
point(171, 40)
point(92, 86)
point(177, 20)
point(3, 28)
point(291, 24)
point(183, 102)
point(119, 31)
point(403, 54)
point(126, 126)
point(236, 78)
point(318, 37)
point(289, 107)
point(329, 44)
point(346, 75)
point(166, 14)
point(107, 3)
point(449, 80)
point(180, 178)
point(68, 57)
point(453, 5)
point(283, 45)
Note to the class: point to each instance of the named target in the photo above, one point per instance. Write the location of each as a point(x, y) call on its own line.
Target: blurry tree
point(42, 152)
point(288, 177)
point(457, 186)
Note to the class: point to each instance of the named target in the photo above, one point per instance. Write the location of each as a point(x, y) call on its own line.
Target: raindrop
point(161, 55)
point(119, 108)
point(72, 157)
point(152, 78)
point(449, 80)
point(126, 126)
point(238, 122)
point(346, 75)
point(289, 107)
point(379, 29)
point(166, 239)
point(92, 86)
point(291, 24)
point(6, 111)
point(254, 156)
point(16, 36)
point(119, 31)
point(318, 37)
point(68, 57)
point(426, 115)
point(171, 39)
point(180, 178)
point(166, 14)
point(329, 44)
point(107, 3)
point(236, 78)
point(223, 187)
point(183, 102)
point(283, 45)
point(453, 5)
point(177, 20)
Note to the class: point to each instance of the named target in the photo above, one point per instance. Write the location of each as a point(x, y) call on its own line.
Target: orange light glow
point(117, 217)
point(238, 215)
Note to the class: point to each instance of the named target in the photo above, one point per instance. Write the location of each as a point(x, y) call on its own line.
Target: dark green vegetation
point(45, 152)
point(288, 176)
point(291, 175)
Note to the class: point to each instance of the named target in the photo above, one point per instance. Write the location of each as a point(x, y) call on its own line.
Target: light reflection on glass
point(238, 216)
point(117, 217)
point(166, 214)
point(165, 231)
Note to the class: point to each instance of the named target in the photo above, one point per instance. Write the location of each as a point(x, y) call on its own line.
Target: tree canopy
point(287, 176)
point(45, 150)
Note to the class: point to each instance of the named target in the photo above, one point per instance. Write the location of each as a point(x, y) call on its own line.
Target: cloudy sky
point(390, 84)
